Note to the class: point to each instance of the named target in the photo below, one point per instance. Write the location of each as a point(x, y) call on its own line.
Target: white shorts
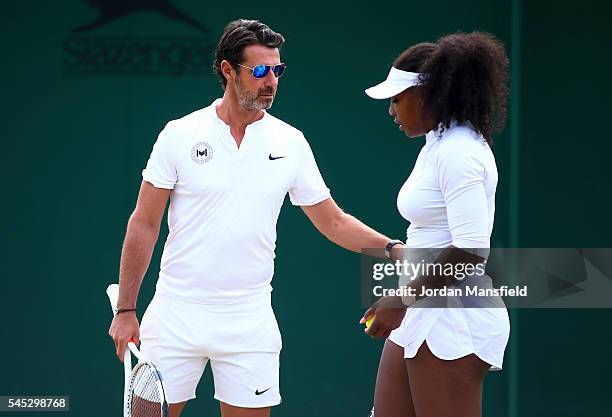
point(452, 333)
point(241, 340)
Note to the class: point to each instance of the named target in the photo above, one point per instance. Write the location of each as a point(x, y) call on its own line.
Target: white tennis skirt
point(456, 331)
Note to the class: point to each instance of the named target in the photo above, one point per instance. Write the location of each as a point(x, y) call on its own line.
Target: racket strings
point(145, 393)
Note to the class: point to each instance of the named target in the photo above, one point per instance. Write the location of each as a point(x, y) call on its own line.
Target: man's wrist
point(397, 253)
point(390, 245)
point(125, 310)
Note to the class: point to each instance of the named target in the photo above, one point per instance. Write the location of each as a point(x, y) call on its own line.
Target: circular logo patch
point(201, 152)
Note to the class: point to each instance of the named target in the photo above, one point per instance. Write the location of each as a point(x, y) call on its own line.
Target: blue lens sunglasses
point(260, 71)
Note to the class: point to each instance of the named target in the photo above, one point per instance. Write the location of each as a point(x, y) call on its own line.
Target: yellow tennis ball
point(370, 320)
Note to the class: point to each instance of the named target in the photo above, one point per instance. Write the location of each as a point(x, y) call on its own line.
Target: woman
point(455, 93)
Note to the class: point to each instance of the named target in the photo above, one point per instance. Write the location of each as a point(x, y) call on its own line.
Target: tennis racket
point(144, 394)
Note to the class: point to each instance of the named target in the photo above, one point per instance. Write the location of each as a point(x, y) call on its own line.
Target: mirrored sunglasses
point(260, 71)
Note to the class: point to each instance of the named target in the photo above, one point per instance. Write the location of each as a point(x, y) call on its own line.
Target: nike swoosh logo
point(272, 158)
point(258, 392)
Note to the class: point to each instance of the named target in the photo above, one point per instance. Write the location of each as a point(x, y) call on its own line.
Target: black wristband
point(124, 310)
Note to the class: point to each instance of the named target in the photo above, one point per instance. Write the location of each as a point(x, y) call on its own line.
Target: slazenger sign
point(84, 54)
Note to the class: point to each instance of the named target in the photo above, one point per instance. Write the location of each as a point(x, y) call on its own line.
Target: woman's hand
point(388, 314)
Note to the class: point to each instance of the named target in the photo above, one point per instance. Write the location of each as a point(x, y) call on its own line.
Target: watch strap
point(390, 245)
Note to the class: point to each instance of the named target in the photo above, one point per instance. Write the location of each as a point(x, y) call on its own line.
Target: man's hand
point(123, 328)
point(389, 313)
point(397, 252)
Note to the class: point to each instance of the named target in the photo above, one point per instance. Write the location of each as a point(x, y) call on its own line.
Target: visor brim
point(385, 90)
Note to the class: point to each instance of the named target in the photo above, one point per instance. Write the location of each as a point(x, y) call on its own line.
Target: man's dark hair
point(466, 80)
point(237, 36)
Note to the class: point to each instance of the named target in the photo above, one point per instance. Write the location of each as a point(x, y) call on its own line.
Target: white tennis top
point(449, 199)
point(225, 202)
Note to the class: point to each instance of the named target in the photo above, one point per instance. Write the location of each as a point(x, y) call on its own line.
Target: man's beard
point(249, 100)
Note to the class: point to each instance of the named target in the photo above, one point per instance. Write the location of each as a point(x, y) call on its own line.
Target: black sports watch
point(390, 245)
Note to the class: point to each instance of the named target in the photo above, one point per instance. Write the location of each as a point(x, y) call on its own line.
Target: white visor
point(396, 82)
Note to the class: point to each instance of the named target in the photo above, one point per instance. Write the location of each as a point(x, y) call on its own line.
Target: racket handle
point(127, 365)
point(132, 346)
point(127, 372)
point(113, 292)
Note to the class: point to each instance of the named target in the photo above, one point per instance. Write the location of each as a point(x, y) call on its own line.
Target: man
point(226, 169)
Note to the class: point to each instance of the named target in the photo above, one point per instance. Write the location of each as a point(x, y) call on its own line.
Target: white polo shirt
point(225, 202)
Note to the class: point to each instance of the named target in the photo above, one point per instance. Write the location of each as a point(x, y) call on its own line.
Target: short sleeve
point(461, 176)
point(161, 169)
point(308, 187)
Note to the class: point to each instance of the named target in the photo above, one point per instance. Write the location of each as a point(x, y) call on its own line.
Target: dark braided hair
point(465, 79)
